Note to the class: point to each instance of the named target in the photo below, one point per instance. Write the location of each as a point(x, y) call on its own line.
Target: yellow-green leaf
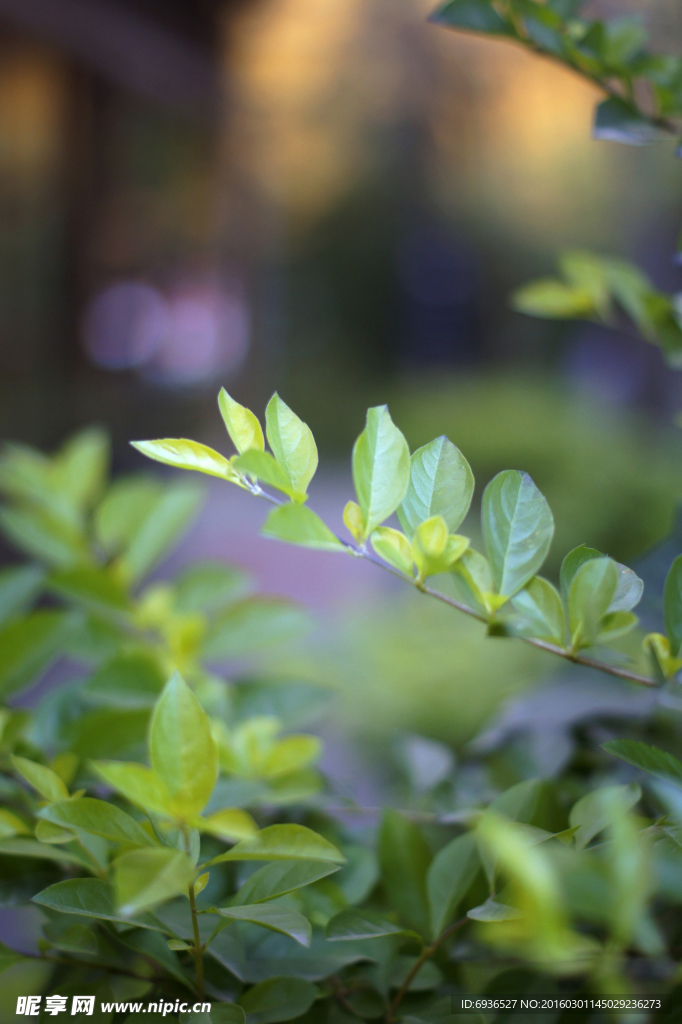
point(185, 454)
point(292, 443)
point(242, 425)
point(41, 778)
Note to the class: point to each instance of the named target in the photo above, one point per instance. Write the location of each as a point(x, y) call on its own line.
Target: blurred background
point(333, 198)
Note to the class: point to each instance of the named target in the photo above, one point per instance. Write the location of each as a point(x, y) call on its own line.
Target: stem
point(197, 949)
point(541, 645)
point(426, 954)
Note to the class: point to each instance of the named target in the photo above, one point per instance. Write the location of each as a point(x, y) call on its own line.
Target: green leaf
point(242, 425)
point(161, 528)
point(273, 916)
point(296, 524)
point(184, 454)
point(8, 957)
point(491, 910)
point(449, 877)
point(221, 1013)
point(404, 858)
point(17, 846)
point(593, 813)
point(28, 645)
point(252, 625)
point(278, 999)
point(672, 606)
point(19, 587)
point(519, 801)
point(517, 527)
point(44, 535)
point(231, 824)
point(265, 468)
point(618, 121)
point(41, 778)
point(629, 590)
point(650, 759)
point(143, 878)
point(181, 748)
point(354, 923)
point(394, 547)
point(153, 946)
point(615, 624)
point(11, 825)
point(98, 817)
point(80, 468)
point(128, 502)
point(381, 468)
point(292, 443)
point(473, 580)
point(209, 587)
point(95, 588)
point(279, 878)
point(139, 784)
point(130, 680)
point(283, 842)
point(541, 610)
point(590, 594)
point(111, 732)
point(89, 897)
point(472, 16)
point(549, 298)
point(441, 484)
point(572, 562)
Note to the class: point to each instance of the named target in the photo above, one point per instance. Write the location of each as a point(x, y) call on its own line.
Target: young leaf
point(450, 875)
point(629, 590)
point(405, 857)
point(593, 812)
point(433, 549)
point(381, 468)
point(41, 778)
point(284, 842)
point(590, 594)
point(473, 580)
point(265, 468)
point(571, 563)
point(278, 999)
point(184, 454)
point(672, 606)
point(143, 878)
point(615, 624)
point(353, 520)
point(394, 547)
point(354, 923)
point(231, 824)
point(650, 759)
point(279, 878)
point(541, 610)
point(181, 748)
point(242, 425)
point(99, 818)
point(517, 527)
point(275, 917)
point(441, 484)
point(292, 443)
point(296, 524)
point(139, 784)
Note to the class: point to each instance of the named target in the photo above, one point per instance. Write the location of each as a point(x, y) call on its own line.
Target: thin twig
point(541, 645)
point(426, 954)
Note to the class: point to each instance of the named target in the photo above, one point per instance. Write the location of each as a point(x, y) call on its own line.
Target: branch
point(426, 954)
point(541, 645)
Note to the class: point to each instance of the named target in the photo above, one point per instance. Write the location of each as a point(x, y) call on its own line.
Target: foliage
point(610, 54)
point(180, 847)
